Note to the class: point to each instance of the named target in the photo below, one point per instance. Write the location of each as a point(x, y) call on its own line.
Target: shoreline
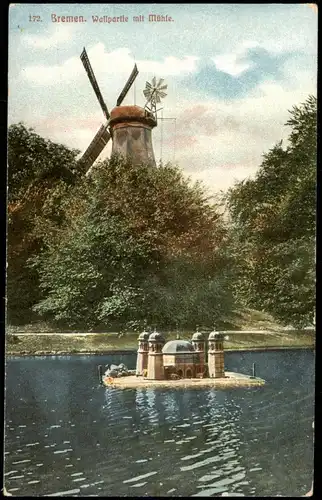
point(104, 344)
point(231, 379)
point(122, 352)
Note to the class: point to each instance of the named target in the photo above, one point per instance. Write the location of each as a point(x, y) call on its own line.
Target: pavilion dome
point(156, 337)
point(177, 346)
point(198, 336)
point(144, 336)
point(216, 336)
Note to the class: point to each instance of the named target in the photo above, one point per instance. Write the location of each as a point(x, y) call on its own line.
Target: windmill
point(129, 127)
point(103, 134)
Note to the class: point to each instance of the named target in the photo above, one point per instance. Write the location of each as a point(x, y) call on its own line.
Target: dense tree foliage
point(139, 244)
point(39, 175)
point(273, 225)
point(132, 245)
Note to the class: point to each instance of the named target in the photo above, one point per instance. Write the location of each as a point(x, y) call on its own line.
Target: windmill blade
point(148, 93)
point(164, 87)
point(92, 79)
point(127, 86)
point(154, 81)
point(160, 82)
point(162, 94)
point(96, 146)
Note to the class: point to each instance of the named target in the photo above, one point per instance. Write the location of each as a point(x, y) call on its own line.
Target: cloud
point(236, 75)
point(182, 141)
point(222, 177)
point(223, 141)
point(230, 103)
point(231, 64)
point(235, 63)
point(49, 75)
point(216, 141)
point(171, 66)
point(60, 35)
point(206, 120)
point(117, 62)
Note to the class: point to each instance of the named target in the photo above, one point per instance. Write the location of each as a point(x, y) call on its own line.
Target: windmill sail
point(96, 147)
point(92, 79)
point(127, 86)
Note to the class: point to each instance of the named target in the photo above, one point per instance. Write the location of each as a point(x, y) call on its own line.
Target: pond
point(67, 436)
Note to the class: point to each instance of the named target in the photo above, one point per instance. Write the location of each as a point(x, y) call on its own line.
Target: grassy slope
point(54, 343)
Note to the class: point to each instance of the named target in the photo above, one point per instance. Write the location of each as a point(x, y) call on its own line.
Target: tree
point(273, 225)
point(40, 173)
point(139, 244)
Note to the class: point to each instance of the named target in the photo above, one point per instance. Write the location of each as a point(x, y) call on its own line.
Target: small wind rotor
point(153, 93)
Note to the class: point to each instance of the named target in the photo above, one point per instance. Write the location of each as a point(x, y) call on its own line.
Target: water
point(67, 436)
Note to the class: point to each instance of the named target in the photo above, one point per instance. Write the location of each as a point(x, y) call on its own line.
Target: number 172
point(34, 18)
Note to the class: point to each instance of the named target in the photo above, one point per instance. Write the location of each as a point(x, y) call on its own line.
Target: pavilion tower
point(143, 351)
point(155, 357)
point(216, 365)
point(198, 342)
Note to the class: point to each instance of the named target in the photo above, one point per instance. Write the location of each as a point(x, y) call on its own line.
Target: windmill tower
point(129, 127)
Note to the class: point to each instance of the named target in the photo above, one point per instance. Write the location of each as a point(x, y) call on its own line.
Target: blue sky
point(232, 70)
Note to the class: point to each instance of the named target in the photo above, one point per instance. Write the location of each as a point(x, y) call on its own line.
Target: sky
point(233, 72)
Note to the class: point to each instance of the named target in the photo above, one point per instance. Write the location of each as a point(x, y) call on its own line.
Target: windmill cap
point(123, 114)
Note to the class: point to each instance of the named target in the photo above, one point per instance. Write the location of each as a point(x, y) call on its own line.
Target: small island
point(180, 363)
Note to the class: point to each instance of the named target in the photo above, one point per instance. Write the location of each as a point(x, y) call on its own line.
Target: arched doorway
point(188, 373)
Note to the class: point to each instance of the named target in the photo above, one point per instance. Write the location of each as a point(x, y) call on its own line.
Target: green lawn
point(57, 343)
point(269, 333)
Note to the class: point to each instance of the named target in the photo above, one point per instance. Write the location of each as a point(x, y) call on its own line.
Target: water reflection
point(219, 460)
point(176, 419)
point(74, 438)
